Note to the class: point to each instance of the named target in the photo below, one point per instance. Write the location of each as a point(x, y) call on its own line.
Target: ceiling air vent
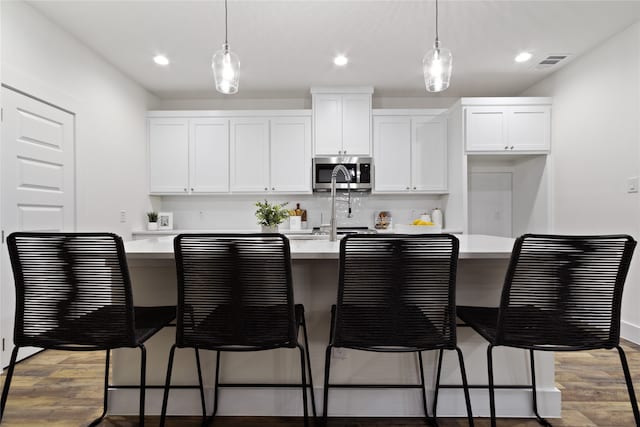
point(552, 60)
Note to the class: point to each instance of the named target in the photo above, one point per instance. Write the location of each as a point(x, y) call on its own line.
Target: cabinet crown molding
point(342, 90)
point(229, 113)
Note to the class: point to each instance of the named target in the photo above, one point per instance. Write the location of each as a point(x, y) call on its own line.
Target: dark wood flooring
point(56, 388)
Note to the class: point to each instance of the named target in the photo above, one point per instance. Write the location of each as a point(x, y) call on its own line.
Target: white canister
point(437, 217)
point(295, 222)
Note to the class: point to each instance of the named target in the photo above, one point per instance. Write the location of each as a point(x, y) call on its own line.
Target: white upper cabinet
point(392, 153)
point(209, 152)
point(168, 155)
point(188, 155)
point(342, 122)
point(429, 153)
point(249, 155)
point(291, 154)
point(410, 153)
point(508, 128)
point(209, 155)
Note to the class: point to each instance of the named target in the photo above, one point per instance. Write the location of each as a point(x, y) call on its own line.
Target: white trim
point(342, 402)
point(630, 331)
point(515, 100)
point(342, 90)
point(408, 111)
point(229, 113)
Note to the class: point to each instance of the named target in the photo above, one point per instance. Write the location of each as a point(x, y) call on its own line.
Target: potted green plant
point(270, 215)
point(152, 225)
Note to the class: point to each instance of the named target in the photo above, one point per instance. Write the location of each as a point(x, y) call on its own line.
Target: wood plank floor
point(56, 388)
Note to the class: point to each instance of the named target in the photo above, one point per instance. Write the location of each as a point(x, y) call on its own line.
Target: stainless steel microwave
point(360, 168)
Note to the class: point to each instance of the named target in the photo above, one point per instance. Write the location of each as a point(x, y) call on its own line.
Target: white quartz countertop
point(471, 246)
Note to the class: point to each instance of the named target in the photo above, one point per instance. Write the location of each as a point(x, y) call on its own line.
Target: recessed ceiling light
point(523, 57)
point(161, 60)
point(340, 60)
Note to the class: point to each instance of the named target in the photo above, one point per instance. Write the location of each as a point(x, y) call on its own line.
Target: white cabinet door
point(356, 124)
point(249, 155)
point(529, 128)
point(429, 154)
point(327, 125)
point(291, 154)
point(209, 155)
point(392, 153)
point(486, 128)
point(168, 155)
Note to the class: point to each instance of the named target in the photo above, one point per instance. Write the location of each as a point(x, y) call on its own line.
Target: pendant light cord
point(437, 40)
point(226, 41)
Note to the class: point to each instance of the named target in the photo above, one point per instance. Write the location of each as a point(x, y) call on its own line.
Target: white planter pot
point(152, 226)
point(269, 229)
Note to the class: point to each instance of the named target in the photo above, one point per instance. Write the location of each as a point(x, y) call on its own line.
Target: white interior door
point(38, 175)
point(490, 206)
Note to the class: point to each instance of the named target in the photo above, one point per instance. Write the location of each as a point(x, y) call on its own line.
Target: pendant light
point(437, 65)
point(226, 65)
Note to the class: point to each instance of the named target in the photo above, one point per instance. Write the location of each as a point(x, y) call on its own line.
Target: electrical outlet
point(123, 216)
point(632, 184)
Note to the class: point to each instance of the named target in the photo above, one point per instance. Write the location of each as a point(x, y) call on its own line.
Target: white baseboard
point(630, 332)
point(342, 402)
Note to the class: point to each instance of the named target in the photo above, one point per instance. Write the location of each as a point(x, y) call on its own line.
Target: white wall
point(596, 146)
point(43, 60)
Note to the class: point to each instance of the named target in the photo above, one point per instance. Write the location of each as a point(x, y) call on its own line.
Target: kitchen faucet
point(334, 174)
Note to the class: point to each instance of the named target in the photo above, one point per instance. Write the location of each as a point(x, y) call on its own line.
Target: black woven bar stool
point(235, 293)
point(73, 292)
point(396, 294)
point(561, 293)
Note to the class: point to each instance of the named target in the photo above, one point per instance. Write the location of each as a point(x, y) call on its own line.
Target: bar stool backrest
point(72, 290)
point(234, 290)
point(397, 291)
point(564, 292)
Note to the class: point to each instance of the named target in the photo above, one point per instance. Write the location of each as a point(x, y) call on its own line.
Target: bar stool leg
point(200, 383)
point(303, 371)
point(435, 396)
point(627, 378)
point(534, 393)
point(492, 398)
point(306, 346)
point(431, 421)
point(325, 401)
point(143, 378)
point(167, 386)
point(217, 385)
point(465, 386)
point(7, 382)
point(106, 391)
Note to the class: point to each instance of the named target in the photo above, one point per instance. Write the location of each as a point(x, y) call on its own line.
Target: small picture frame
point(165, 221)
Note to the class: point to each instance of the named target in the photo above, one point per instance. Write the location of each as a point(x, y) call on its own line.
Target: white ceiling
point(286, 46)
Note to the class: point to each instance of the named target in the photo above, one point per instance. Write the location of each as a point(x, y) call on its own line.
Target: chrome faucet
point(333, 235)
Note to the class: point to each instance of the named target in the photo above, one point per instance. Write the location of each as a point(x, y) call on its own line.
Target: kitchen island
point(481, 270)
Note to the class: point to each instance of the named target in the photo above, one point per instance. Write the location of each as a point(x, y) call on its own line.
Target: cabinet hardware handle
point(344, 152)
point(414, 188)
point(266, 189)
point(185, 190)
point(512, 147)
point(192, 189)
point(273, 188)
point(506, 147)
point(408, 188)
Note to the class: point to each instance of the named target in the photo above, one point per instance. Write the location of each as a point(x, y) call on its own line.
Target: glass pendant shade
point(226, 70)
point(437, 65)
